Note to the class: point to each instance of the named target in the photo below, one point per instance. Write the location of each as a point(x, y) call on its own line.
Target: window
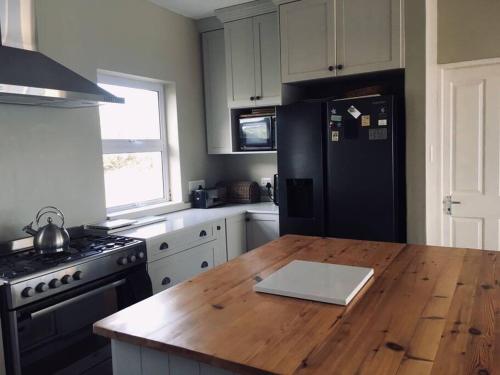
point(134, 143)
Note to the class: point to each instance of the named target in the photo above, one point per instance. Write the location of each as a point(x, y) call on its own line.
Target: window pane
point(132, 178)
point(138, 118)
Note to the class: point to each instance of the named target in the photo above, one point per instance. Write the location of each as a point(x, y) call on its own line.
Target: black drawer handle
point(204, 264)
point(166, 281)
point(340, 66)
point(258, 98)
point(218, 227)
point(203, 233)
point(164, 246)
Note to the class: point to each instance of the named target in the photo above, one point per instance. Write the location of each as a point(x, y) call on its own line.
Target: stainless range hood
point(28, 77)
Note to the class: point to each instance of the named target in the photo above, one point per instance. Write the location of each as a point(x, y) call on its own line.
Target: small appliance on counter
point(206, 198)
point(257, 130)
point(242, 192)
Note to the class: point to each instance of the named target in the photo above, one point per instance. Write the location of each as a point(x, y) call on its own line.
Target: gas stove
point(32, 276)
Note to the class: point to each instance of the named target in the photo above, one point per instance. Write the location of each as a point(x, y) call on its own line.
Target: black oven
point(54, 335)
point(257, 133)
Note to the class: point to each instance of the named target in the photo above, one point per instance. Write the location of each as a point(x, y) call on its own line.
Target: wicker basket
point(241, 191)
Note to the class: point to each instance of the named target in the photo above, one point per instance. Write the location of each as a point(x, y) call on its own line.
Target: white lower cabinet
point(236, 230)
point(174, 269)
point(261, 229)
point(181, 255)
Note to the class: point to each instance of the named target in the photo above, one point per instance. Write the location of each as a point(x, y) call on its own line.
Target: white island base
point(130, 359)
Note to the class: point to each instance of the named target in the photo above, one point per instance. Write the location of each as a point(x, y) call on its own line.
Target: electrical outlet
point(194, 185)
point(265, 180)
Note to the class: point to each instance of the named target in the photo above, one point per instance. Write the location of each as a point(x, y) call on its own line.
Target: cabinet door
point(267, 60)
point(220, 248)
point(261, 229)
point(369, 35)
point(216, 110)
point(240, 63)
point(307, 34)
point(177, 268)
point(236, 234)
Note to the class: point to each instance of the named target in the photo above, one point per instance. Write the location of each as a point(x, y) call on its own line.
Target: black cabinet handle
point(247, 219)
point(164, 246)
point(218, 227)
point(258, 98)
point(203, 233)
point(204, 264)
point(340, 67)
point(166, 281)
point(331, 68)
point(252, 98)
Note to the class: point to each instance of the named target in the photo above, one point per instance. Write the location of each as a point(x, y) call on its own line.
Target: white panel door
point(307, 32)
point(471, 152)
point(369, 35)
point(236, 234)
point(261, 229)
point(240, 63)
point(216, 109)
point(267, 60)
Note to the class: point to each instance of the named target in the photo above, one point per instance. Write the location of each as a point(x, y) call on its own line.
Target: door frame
point(434, 127)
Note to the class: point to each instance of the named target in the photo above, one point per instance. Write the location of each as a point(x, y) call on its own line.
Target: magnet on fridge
point(382, 122)
point(335, 136)
point(365, 120)
point(336, 118)
point(354, 111)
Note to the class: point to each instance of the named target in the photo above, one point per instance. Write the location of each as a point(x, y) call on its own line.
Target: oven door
point(54, 336)
point(256, 133)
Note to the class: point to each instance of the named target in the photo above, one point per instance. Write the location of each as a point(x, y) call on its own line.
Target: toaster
point(206, 198)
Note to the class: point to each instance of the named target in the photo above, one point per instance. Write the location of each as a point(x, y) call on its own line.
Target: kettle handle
point(51, 210)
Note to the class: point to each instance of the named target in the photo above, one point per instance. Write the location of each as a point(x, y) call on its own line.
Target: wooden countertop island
point(428, 310)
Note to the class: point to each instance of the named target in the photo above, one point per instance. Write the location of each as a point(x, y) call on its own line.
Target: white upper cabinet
point(369, 35)
point(267, 59)
point(252, 61)
point(328, 38)
point(307, 40)
point(240, 62)
point(216, 109)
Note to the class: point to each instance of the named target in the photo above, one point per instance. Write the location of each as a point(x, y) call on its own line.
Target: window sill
point(154, 209)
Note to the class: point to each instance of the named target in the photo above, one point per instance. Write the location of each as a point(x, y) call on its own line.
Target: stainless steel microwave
point(257, 133)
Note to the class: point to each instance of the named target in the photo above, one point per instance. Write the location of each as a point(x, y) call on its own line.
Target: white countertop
point(194, 216)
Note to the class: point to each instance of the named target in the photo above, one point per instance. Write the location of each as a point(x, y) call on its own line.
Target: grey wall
point(53, 156)
point(468, 30)
point(415, 120)
point(247, 167)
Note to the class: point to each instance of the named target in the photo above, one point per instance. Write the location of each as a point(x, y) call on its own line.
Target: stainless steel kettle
point(50, 238)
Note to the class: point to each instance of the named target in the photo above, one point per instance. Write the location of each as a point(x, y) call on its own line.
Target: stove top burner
point(26, 262)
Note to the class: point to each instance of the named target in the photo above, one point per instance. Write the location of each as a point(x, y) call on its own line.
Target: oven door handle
point(94, 292)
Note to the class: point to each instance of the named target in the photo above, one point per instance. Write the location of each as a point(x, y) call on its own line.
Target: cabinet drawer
point(181, 240)
point(182, 266)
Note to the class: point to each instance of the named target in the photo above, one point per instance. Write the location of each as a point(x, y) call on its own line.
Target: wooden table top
point(428, 310)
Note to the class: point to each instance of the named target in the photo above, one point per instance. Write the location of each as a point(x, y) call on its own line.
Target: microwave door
point(256, 134)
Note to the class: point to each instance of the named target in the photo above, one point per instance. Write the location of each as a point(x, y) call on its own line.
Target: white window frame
point(118, 146)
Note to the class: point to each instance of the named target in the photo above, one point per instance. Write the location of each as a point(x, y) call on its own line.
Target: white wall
point(53, 156)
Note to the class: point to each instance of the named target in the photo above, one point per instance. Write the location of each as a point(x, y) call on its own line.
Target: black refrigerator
point(341, 167)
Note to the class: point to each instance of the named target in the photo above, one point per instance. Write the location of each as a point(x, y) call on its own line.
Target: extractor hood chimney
point(28, 77)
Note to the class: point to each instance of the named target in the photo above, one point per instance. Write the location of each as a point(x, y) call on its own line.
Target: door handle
point(448, 203)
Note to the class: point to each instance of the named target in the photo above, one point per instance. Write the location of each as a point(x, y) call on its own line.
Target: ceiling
point(197, 8)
